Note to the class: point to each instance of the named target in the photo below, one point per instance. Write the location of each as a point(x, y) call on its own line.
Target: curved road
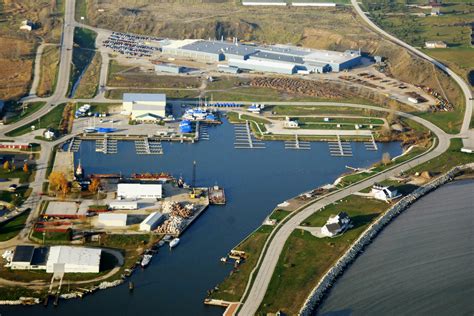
point(274, 248)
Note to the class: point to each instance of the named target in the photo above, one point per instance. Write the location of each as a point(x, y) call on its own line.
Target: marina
point(297, 144)
point(244, 138)
point(253, 183)
point(340, 148)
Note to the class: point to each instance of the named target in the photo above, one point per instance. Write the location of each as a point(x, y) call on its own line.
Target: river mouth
point(255, 180)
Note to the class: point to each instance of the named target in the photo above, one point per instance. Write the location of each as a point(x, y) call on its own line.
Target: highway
point(254, 295)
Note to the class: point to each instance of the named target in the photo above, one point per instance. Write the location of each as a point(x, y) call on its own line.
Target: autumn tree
point(58, 182)
point(94, 186)
point(6, 165)
point(26, 169)
point(386, 159)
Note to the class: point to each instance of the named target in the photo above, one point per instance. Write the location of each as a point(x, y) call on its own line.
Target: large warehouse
point(75, 259)
point(139, 191)
point(144, 106)
point(264, 58)
point(72, 259)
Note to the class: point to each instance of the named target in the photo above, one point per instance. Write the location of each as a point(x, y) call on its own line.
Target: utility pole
point(194, 175)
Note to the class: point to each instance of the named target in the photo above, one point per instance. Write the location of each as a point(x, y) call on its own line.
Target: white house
point(112, 220)
point(435, 44)
point(290, 123)
point(384, 193)
point(148, 106)
point(139, 191)
point(336, 224)
point(75, 259)
point(151, 222)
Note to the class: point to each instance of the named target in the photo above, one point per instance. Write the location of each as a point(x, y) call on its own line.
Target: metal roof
point(145, 97)
point(217, 47)
point(40, 256)
point(279, 57)
point(74, 255)
point(148, 107)
point(23, 253)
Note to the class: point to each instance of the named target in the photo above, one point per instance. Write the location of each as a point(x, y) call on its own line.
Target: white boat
point(146, 260)
point(174, 243)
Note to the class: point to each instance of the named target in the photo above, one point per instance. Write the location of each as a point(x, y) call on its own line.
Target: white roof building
point(384, 193)
point(138, 104)
point(112, 220)
point(123, 205)
point(139, 191)
point(75, 259)
point(151, 222)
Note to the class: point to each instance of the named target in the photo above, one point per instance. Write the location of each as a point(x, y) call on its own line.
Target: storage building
point(139, 190)
point(169, 68)
point(29, 258)
point(74, 259)
point(264, 66)
point(151, 222)
point(112, 220)
point(123, 205)
point(137, 104)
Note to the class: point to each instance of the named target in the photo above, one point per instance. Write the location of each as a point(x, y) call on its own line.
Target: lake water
point(176, 283)
point(421, 264)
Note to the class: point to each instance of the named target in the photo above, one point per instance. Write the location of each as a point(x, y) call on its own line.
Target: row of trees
point(59, 183)
point(11, 167)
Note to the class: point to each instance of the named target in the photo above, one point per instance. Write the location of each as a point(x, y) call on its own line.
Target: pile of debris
point(173, 225)
point(298, 86)
point(177, 214)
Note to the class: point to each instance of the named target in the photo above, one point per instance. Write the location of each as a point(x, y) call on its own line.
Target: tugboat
point(174, 243)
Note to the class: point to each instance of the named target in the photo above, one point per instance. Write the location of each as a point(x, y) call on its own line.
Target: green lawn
point(232, 288)
point(27, 110)
point(306, 258)
point(13, 227)
point(279, 215)
point(52, 119)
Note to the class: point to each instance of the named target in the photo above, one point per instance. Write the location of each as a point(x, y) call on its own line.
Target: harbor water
point(255, 180)
point(421, 264)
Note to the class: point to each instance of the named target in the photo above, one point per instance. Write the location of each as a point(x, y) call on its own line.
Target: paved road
point(275, 247)
point(460, 81)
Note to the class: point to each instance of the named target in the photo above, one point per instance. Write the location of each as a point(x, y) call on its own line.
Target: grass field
point(306, 258)
point(232, 288)
point(13, 227)
point(26, 110)
point(171, 94)
point(82, 54)
point(49, 120)
point(49, 71)
point(89, 83)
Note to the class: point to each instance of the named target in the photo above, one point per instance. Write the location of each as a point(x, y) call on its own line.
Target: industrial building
point(169, 68)
point(29, 258)
point(74, 259)
point(123, 205)
point(151, 222)
point(144, 106)
point(283, 59)
point(112, 220)
point(139, 191)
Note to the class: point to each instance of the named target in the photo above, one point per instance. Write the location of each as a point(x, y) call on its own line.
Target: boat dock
point(244, 138)
point(74, 145)
point(148, 146)
point(106, 146)
point(339, 148)
point(297, 144)
point(371, 144)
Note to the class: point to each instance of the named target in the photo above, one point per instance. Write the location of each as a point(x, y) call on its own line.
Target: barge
point(217, 196)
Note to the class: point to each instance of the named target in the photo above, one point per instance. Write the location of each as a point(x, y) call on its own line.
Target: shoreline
point(318, 294)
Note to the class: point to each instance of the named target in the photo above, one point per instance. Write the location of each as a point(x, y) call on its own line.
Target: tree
point(94, 186)
point(6, 165)
point(58, 182)
point(386, 159)
point(25, 168)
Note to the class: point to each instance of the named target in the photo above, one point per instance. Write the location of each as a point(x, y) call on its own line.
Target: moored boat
point(146, 260)
point(174, 243)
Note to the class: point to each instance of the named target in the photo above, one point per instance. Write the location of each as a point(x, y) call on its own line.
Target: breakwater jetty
point(326, 282)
